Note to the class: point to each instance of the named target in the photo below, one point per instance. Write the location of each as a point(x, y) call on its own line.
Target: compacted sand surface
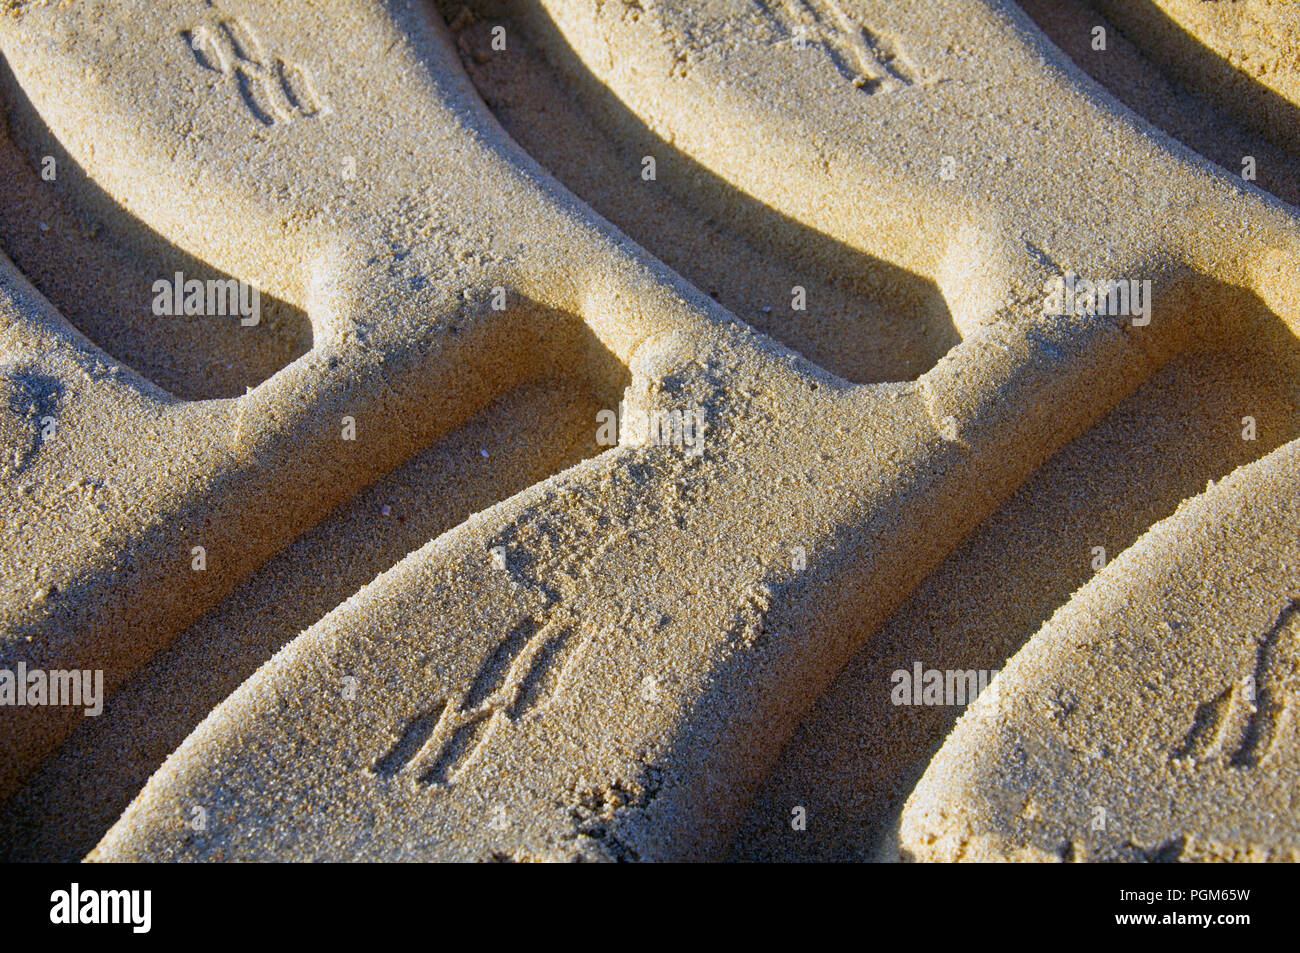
point(568, 429)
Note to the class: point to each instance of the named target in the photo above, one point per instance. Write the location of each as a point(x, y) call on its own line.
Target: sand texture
point(1085, 750)
point(372, 576)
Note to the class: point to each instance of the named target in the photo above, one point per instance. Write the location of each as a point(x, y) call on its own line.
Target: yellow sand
point(477, 631)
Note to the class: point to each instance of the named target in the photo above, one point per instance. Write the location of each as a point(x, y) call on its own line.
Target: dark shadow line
point(1204, 119)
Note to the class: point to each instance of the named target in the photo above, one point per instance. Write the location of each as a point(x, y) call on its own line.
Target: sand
point(1050, 766)
point(463, 626)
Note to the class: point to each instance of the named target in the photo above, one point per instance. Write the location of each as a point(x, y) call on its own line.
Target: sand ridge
point(1192, 646)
